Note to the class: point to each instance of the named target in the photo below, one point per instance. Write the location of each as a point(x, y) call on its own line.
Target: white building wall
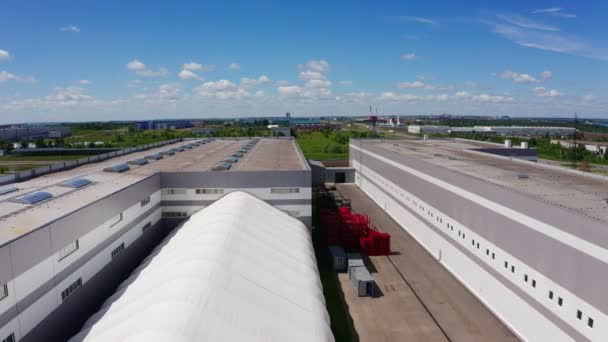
point(524, 320)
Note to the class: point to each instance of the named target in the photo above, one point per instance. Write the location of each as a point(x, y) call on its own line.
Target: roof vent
point(231, 160)
point(117, 168)
point(138, 161)
point(522, 176)
point(33, 197)
point(237, 155)
point(179, 149)
point(167, 152)
point(76, 183)
point(221, 167)
point(8, 189)
point(155, 156)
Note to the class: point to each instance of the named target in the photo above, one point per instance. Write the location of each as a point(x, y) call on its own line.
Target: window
point(117, 250)
point(487, 251)
point(533, 283)
point(284, 190)
point(478, 245)
point(146, 227)
point(550, 294)
point(512, 269)
point(493, 255)
point(526, 278)
point(579, 314)
point(9, 338)
point(116, 220)
point(560, 301)
point(175, 214)
point(463, 236)
point(473, 242)
point(174, 191)
point(145, 201)
point(590, 322)
point(507, 265)
point(3, 291)
point(71, 289)
point(209, 191)
point(67, 250)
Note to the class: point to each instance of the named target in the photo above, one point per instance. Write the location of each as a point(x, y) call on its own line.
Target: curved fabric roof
point(238, 270)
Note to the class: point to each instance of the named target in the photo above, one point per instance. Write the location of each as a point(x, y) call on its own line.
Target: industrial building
point(238, 270)
point(520, 131)
point(68, 238)
point(15, 134)
point(163, 124)
point(530, 242)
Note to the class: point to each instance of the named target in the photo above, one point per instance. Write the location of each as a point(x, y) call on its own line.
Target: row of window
point(3, 291)
point(115, 220)
point(475, 244)
point(9, 338)
point(209, 191)
point(117, 250)
point(175, 214)
point(69, 249)
point(284, 190)
point(71, 289)
point(144, 202)
point(146, 226)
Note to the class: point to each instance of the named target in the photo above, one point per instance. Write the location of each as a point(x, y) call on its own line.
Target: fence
point(68, 165)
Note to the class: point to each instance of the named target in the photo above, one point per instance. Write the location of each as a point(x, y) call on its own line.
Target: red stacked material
point(353, 232)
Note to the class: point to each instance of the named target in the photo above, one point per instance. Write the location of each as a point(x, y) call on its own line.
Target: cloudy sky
point(108, 60)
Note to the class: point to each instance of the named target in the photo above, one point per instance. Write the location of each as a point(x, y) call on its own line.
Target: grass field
point(331, 145)
point(123, 137)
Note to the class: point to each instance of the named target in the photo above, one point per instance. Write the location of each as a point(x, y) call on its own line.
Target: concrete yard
point(420, 300)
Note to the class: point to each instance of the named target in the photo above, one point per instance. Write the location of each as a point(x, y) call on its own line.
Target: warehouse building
point(68, 238)
point(238, 270)
point(529, 241)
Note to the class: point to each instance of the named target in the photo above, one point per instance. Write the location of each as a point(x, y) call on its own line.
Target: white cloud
point(186, 74)
point(252, 82)
point(524, 78)
point(318, 84)
point(5, 76)
point(555, 11)
point(439, 98)
point(321, 66)
point(541, 91)
point(390, 96)
point(224, 90)
point(71, 28)
point(83, 82)
point(194, 66)
point(136, 65)
point(415, 85)
point(289, 90)
point(311, 75)
point(69, 94)
point(588, 97)
point(4, 55)
point(421, 20)
point(141, 69)
point(409, 56)
point(346, 83)
point(462, 95)
point(234, 66)
point(491, 98)
point(545, 75)
point(526, 23)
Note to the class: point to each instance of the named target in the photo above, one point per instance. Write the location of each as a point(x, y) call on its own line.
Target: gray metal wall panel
point(574, 270)
point(30, 250)
point(6, 268)
point(79, 223)
point(235, 179)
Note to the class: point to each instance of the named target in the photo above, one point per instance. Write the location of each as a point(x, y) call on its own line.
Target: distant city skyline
point(110, 60)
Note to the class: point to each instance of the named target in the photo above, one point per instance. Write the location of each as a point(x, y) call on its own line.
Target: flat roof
point(576, 193)
point(17, 219)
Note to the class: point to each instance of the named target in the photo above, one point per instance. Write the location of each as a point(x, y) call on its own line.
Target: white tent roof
point(238, 270)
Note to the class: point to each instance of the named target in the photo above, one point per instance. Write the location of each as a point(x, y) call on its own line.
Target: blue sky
point(109, 60)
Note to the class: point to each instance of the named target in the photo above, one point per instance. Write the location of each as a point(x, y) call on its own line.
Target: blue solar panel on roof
point(77, 183)
point(35, 197)
point(8, 189)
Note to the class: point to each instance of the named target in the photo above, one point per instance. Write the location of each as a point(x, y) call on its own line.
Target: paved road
point(423, 301)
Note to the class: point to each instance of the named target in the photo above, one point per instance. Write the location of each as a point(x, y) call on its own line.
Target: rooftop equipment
point(138, 161)
point(221, 167)
point(8, 189)
point(155, 156)
point(337, 258)
point(76, 183)
point(117, 168)
point(237, 155)
point(168, 152)
point(231, 160)
point(33, 198)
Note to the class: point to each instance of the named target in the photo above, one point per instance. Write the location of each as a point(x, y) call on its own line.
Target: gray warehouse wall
point(235, 179)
